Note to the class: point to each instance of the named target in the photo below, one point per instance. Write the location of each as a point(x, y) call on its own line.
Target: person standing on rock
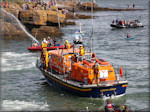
point(8, 5)
point(74, 12)
point(28, 7)
point(45, 6)
point(23, 6)
point(3, 4)
point(50, 4)
point(54, 2)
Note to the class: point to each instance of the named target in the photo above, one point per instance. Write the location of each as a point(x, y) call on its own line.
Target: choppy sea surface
point(24, 88)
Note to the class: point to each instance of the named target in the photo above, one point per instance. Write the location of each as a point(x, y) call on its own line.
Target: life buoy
point(121, 72)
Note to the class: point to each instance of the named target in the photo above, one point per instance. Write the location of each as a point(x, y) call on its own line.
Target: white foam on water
point(8, 105)
point(17, 61)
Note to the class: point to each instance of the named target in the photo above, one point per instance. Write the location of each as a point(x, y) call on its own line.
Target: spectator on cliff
point(66, 11)
point(128, 6)
point(45, 6)
point(93, 1)
point(49, 4)
point(78, 4)
point(23, 7)
point(28, 7)
point(74, 12)
point(3, 5)
point(54, 2)
point(8, 5)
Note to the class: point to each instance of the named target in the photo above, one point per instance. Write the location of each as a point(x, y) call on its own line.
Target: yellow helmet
point(66, 41)
point(123, 107)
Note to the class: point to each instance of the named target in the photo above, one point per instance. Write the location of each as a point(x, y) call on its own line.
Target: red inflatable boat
point(39, 48)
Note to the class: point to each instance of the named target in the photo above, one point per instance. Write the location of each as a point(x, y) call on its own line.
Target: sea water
point(23, 87)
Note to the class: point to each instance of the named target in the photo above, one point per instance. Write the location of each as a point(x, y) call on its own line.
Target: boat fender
point(121, 72)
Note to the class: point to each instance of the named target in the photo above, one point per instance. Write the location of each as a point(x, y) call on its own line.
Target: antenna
point(92, 26)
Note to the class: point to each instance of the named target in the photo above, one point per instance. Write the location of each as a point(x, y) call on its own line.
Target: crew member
point(96, 73)
point(109, 107)
point(67, 45)
point(44, 44)
point(46, 59)
point(81, 52)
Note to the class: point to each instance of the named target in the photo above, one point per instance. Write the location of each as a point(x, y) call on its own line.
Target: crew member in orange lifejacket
point(96, 73)
point(109, 107)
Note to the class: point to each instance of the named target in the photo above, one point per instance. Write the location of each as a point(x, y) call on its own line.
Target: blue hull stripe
point(95, 92)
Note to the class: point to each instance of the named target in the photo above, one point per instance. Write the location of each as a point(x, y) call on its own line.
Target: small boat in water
point(133, 24)
point(39, 48)
point(84, 76)
point(117, 26)
point(130, 38)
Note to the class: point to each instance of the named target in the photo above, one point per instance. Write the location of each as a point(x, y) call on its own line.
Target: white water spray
point(22, 26)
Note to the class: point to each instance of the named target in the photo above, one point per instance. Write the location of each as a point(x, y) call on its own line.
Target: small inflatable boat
point(130, 38)
point(39, 48)
point(117, 26)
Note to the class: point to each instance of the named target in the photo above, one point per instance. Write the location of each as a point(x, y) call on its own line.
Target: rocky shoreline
point(45, 22)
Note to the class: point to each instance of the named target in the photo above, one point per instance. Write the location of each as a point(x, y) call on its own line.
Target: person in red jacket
point(109, 107)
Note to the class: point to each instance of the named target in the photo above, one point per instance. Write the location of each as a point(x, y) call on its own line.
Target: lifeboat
point(75, 74)
point(39, 48)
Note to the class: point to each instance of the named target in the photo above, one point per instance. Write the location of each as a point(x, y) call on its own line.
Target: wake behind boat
point(78, 71)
